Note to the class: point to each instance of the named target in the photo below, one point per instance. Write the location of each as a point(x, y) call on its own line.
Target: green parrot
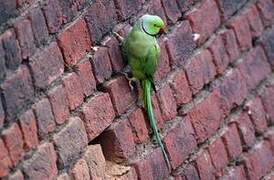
point(142, 52)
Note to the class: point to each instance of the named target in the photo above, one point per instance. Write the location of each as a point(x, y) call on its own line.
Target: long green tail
point(149, 109)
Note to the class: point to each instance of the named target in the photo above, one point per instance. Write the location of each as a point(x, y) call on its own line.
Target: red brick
point(96, 161)
point(268, 102)
point(2, 62)
point(5, 161)
point(115, 54)
point(206, 117)
point(25, 38)
point(100, 18)
point(59, 104)
point(268, 45)
point(53, 14)
point(204, 20)
point(17, 176)
point(185, 5)
point(257, 115)
point(204, 166)
point(17, 90)
point(218, 154)
point(71, 8)
point(44, 116)
point(232, 94)
point(39, 26)
point(230, 43)
point(127, 8)
point(42, 165)
point(190, 173)
point(155, 7)
point(235, 173)
point(63, 176)
point(118, 141)
point(200, 70)
point(74, 42)
point(229, 7)
point(255, 67)
point(97, 114)
point(12, 49)
point(266, 10)
point(80, 170)
point(241, 28)
point(117, 171)
point(2, 114)
point(254, 21)
point(180, 142)
point(70, 141)
point(246, 130)
point(163, 66)
point(138, 124)
point(47, 65)
point(101, 65)
point(14, 142)
point(180, 88)
point(152, 166)
point(73, 90)
point(121, 94)
point(180, 44)
point(219, 54)
point(8, 10)
point(29, 130)
point(167, 103)
point(172, 10)
point(232, 142)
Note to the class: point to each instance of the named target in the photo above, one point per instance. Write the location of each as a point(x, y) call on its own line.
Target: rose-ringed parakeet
point(142, 52)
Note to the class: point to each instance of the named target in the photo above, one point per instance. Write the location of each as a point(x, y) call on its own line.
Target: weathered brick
point(241, 28)
point(44, 116)
point(254, 21)
point(246, 130)
point(180, 44)
point(97, 114)
point(29, 130)
point(138, 124)
point(101, 65)
point(167, 103)
point(14, 142)
point(100, 18)
point(12, 49)
point(5, 161)
point(96, 161)
point(118, 141)
point(152, 166)
point(185, 4)
point(206, 117)
point(70, 8)
point(59, 104)
point(180, 88)
point(86, 77)
point(163, 66)
point(25, 37)
point(204, 20)
point(268, 45)
point(7, 10)
point(42, 165)
point(189, 173)
point(266, 10)
point(17, 90)
point(63, 176)
point(268, 102)
point(53, 14)
point(200, 70)
point(218, 154)
point(18, 175)
point(2, 114)
point(172, 10)
point(39, 26)
point(2, 62)
point(232, 142)
point(73, 90)
point(231, 45)
point(229, 7)
point(127, 8)
point(155, 7)
point(47, 65)
point(74, 42)
point(117, 171)
point(70, 141)
point(180, 142)
point(219, 54)
point(120, 94)
point(255, 67)
point(80, 170)
point(237, 172)
point(157, 112)
point(257, 115)
point(204, 166)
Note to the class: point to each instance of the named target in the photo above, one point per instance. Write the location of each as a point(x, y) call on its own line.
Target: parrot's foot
point(131, 80)
point(119, 37)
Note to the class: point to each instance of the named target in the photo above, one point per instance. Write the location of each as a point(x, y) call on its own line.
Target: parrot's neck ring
point(144, 29)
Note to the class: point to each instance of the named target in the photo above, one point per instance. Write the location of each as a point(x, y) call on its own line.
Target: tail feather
point(150, 113)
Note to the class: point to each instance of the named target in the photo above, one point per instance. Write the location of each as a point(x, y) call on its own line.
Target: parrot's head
point(152, 25)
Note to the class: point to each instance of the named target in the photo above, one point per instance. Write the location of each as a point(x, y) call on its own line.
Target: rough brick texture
point(68, 112)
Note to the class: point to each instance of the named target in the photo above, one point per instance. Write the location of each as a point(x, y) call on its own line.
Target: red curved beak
point(162, 30)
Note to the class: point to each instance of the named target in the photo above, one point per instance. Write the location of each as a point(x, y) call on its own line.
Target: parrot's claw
point(119, 37)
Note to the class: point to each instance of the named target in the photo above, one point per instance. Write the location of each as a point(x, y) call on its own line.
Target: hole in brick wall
point(100, 87)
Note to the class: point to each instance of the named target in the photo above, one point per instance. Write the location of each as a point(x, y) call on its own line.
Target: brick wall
point(66, 112)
